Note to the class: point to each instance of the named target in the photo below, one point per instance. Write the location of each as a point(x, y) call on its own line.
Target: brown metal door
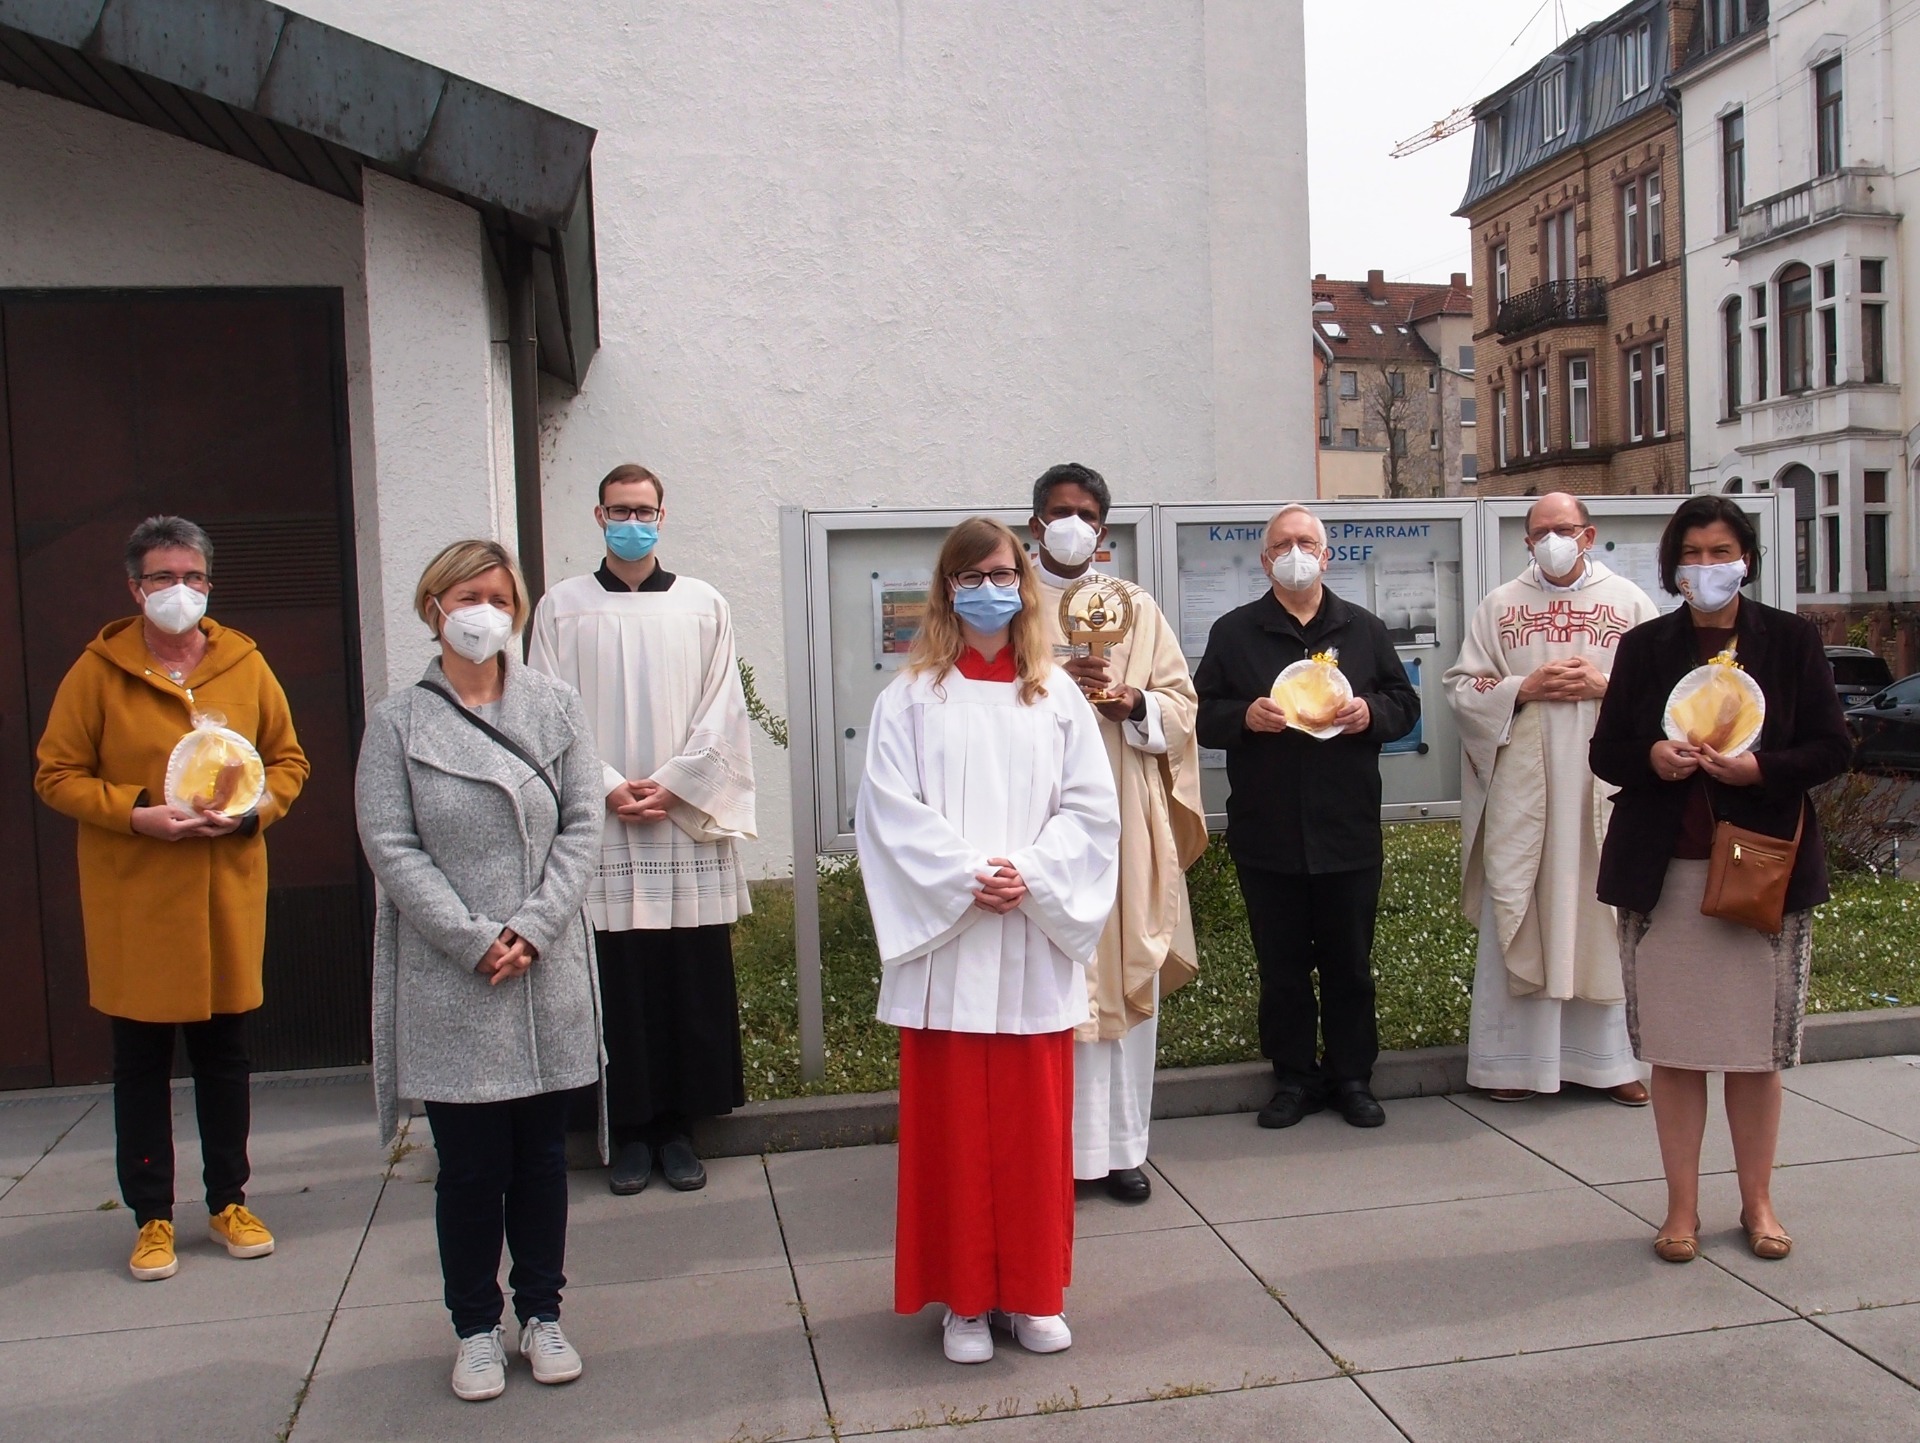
point(225, 407)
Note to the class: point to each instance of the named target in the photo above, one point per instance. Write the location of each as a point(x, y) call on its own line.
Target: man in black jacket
point(1303, 819)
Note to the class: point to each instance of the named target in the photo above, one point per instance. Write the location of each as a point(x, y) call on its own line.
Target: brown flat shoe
point(1630, 1094)
point(1678, 1249)
point(1770, 1246)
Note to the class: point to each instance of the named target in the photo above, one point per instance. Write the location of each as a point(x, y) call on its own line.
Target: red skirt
point(986, 1172)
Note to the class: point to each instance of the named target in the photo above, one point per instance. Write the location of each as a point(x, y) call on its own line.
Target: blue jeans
point(503, 1176)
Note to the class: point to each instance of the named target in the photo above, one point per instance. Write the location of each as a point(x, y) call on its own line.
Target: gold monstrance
point(1096, 612)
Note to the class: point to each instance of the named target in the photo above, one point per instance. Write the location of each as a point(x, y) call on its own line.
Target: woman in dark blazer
point(1704, 995)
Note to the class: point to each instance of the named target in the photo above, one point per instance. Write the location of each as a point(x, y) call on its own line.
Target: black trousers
point(672, 1028)
point(1302, 924)
point(503, 1175)
point(143, 1110)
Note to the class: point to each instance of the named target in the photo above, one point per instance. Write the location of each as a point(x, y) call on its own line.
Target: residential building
point(349, 280)
point(1579, 314)
point(1799, 168)
point(1397, 405)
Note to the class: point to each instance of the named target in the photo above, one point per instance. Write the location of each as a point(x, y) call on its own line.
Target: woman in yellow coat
point(174, 899)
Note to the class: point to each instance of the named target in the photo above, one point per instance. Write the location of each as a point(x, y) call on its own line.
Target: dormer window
point(1636, 60)
point(1553, 105)
point(1490, 136)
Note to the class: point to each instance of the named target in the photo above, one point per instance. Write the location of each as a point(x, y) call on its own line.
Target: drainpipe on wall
point(524, 401)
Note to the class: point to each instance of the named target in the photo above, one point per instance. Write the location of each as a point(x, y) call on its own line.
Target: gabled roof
point(1374, 320)
point(317, 104)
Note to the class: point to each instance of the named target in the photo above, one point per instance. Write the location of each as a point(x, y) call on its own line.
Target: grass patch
point(1866, 955)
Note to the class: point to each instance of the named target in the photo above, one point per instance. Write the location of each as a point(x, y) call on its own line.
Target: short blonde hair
point(462, 561)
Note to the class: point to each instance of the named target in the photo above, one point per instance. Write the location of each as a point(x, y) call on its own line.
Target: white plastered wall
point(87, 200)
point(893, 252)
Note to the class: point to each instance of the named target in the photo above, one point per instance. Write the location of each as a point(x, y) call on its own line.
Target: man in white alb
point(1147, 949)
point(651, 654)
point(1548, 1005)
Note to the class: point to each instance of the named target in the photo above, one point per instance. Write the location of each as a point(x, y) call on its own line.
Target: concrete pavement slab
point(1233, 1171)
point(186, 1384)
point(1602, 1142)
point(714, 1357)
point(1396, 1287)
point(64, 1273)
point(78, 1174)
point(1883, 1091)
point(1776, 1383)
point(1330, 1409)
point(29, 1129)
point(836, 1204)
point(1890, 1336)
point(1154, 1314)
point(1096, 1215)
point(1855, 1242)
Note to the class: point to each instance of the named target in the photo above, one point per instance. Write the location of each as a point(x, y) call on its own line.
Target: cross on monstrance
point(1096, 613)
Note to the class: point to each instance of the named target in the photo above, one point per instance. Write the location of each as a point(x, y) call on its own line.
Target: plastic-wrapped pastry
point(214, 769)
point(1311, 693)
point(1717, 705)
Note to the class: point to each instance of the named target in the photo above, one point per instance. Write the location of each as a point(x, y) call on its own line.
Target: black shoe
point(1288, 1105)
point(632, 1166)
point(680, 1167)
point(1357, 1105)
point(1128, 1185)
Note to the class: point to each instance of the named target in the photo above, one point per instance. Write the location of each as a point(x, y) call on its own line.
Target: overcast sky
point(1379, 71)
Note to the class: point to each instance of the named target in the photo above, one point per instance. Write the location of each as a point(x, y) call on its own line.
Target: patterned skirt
point(1711, 995)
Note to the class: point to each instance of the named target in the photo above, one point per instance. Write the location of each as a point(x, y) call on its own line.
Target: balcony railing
point(1557, 303)
point(1845, 192)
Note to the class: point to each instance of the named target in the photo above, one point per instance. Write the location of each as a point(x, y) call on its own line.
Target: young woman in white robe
point(988, 831)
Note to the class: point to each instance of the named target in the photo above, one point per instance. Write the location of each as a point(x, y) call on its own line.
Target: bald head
point(1554, 510)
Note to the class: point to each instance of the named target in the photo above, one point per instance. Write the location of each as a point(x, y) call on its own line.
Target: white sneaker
point(966, 1340)
point(480, 1367)
point(546, 1347)
point(1037, 1335)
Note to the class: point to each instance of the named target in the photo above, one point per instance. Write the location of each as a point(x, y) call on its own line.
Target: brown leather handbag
point(1748, 874)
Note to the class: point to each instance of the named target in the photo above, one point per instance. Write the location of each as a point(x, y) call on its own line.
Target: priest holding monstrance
point(1118, 647)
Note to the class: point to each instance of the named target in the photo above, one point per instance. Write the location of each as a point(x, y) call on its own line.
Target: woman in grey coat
point(479, 803)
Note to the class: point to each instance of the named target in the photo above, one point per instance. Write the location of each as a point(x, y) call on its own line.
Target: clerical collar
point(659, 580)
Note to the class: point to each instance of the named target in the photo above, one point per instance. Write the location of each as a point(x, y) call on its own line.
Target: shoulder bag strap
point(499, 737)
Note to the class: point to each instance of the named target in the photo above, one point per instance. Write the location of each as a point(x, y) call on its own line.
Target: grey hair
point(162, 531)
point(1296, 508)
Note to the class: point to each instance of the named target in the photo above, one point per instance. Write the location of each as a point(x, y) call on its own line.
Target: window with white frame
point(1491, 161)
point(1732, 343)
point(1500, 291)
point(1500, 423)
point(1760, 352)
point(1873, 322)
point(1657, 353)
point(1827, 322)
point(1579, 402)
point(1630, 226)
point(1656, 221)
point(1540, 400)
point(1733, 169)
point(1636, 395)
point(1553, 105)
point(1526, 413)
point(1828, 118)
point(1636, 60)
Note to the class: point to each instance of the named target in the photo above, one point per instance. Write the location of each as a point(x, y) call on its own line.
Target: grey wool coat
point(465, 840)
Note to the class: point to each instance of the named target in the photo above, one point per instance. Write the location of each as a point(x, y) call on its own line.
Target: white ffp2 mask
point(475, 632)
point(1070, 541)
point(1296, 570)
point(176, 609)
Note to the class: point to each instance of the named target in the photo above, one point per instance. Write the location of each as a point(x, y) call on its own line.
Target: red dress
point(985, 1214)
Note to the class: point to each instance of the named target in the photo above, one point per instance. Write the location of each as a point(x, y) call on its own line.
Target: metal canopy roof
point(316, 104)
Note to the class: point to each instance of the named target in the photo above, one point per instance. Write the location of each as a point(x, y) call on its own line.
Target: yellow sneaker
point(242, 1234)
point(153, 1257)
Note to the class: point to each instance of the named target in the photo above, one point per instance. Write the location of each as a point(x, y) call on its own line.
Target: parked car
point(1858, 674)
point(1886, 729)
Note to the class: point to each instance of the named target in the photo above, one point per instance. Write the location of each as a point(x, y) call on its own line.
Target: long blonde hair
point(938, 646)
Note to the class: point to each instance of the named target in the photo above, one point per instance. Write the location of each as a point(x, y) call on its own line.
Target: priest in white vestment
point(988, 831)
point(1548, 1003)
point(651, 654)
point(1147, 950)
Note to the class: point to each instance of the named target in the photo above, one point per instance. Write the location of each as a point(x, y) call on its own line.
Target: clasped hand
point(1267, 715)
point(175, 824)
point(1573, 678)
point(640, 802)
point(509, 956)
point(1001, 890)
point(1094, 674)
point(1676, 761)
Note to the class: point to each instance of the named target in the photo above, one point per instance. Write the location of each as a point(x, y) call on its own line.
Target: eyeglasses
point(1285, 548)
point(973, 580)
point(646, 514)
point(1570, 532)
point(161, 580)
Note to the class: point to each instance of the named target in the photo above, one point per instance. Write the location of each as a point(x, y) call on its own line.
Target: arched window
point(1734, 487)
point(1796, 329)
point(1731, 341)
point(1798, 480)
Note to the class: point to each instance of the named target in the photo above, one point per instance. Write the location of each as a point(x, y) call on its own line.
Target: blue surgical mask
point(632, 540)
point(987, 607)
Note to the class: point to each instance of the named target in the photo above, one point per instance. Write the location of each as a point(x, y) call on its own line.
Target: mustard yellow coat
point(175, 930)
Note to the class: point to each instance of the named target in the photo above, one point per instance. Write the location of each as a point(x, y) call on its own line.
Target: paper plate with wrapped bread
point(214, 769)
point(1717, 705)
point(1311, 693)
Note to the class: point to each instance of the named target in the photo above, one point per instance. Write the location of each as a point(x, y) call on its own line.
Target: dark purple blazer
point(1803, 743)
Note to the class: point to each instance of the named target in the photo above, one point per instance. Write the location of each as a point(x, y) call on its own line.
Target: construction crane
point(1451, 124)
